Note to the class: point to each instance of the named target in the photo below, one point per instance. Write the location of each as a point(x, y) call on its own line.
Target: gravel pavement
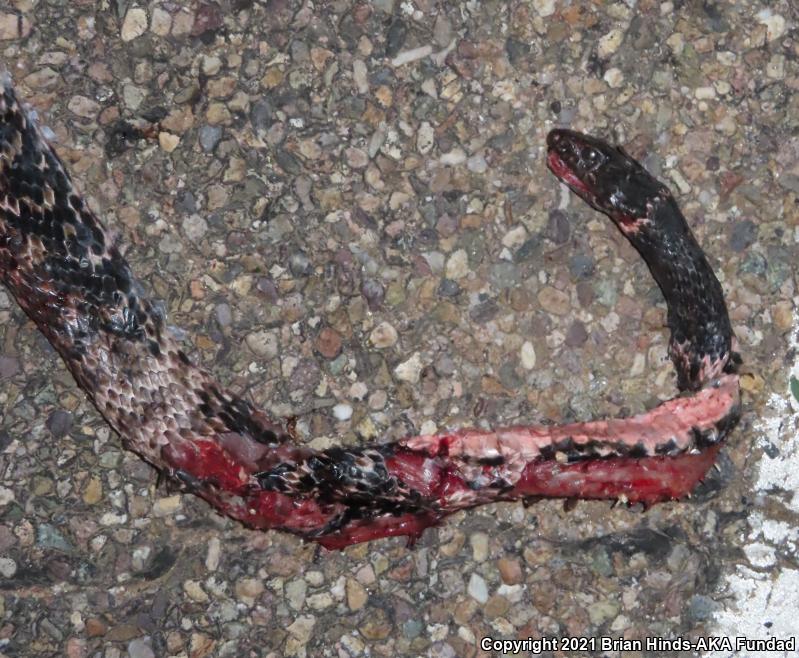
point(345, 208)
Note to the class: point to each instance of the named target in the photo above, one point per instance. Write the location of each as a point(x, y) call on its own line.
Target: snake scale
point(57, 260)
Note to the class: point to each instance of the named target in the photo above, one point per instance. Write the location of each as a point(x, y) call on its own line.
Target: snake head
point(603, 175)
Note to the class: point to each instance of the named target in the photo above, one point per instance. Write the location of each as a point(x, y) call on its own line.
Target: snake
point(62, 266)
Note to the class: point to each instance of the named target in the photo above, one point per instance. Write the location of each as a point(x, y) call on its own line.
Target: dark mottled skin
point(57, 260)
point(615, 184)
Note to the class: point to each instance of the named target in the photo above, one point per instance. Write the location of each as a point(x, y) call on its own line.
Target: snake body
point(58, 261)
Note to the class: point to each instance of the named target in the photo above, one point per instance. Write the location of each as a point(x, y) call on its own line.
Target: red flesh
point(433, 466)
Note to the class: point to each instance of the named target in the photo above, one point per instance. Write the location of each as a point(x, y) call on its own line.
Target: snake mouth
point(565, 174)
point(559, 143)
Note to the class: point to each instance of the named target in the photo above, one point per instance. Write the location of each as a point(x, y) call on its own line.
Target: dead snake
point(57, 260)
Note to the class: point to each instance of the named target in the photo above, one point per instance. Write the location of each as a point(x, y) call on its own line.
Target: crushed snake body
point(57, 260)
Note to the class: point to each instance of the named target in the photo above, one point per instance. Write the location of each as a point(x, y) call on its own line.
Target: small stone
point(295, 592)
point(93, 492)
point(515, 237)
point(395, 37)
point(377, 400)
point(342, 412)
point(510, 570)
point(209, 137)
point(356, 594)
point(602, 611)
point(554, 301)
point(301, 628)
point(76, 648)
point(410, 370)
point(442, 31)
point(200, 645)
point(140, 648)
point(544, 7)
point(221, 87)
point(249, 589)
point(211, 65)
point(609, 43)
point(83, 107)
point(167, 141)
point(383, 335)
point(742, 235)
point(59, 423)
point(6, 496)
point(95, 627)
point(425, 138)
point(195, 591)
point(9, 366)
point(195, 227)
point(477, 164)
point(161, 22)
point(775, 23)
point(13, 27)
point(374, 293)
point(213, 554)
point(751, 382)
point(8, 567)
point(133, 96)
point(705, 93)
point(783, 315)
point(576, 334)
point(111, 519)
point(479, 542)
point(497, 606)
point(360, 76)
point(453, 158)
point(300, 264)
point(320, 601)
point(614, 77)
point(478, 589)
point(262, 343)
point(775, 68)
point(135, 24)
point(527, 355)
point(167, 506)
point(328, 343)
point(356, 158)
point(457, 265)
point(217, 114)
point(42, 79)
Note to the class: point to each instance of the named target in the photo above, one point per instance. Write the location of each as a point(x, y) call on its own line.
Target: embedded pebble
point(8, 567)
point(554, 301)
point(263, 343)
point(135, 24)
point(527, 355)
point(83, 107)
point(342, 411)
point(209, 137)
point(457, 265)
point(409, 370)
point(140, 648)
point(383, 336)
point(609, 43)
point(477, 588)
point(425, 138)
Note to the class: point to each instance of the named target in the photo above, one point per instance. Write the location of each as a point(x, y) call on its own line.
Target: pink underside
point(435, 467)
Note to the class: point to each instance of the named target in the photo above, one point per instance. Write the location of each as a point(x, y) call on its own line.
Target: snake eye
point(590, 157)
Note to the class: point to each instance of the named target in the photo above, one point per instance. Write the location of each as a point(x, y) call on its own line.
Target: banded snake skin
point(58, 262)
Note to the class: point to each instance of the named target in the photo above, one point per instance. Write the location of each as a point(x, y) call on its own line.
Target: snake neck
point(701, 343)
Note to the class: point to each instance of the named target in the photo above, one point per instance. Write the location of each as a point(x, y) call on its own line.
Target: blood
point(558, 167)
